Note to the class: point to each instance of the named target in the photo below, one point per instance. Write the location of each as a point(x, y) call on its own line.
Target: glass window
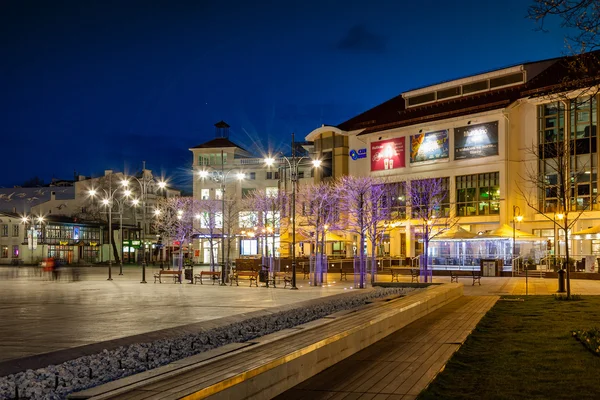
point(204, 194)
point(478, 194)
point(4, 231)
point(15, 252)
point(4, 251)
point(248, 247)
point(15, 230)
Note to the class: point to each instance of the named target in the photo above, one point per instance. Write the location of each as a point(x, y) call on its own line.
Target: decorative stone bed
point(57, 381)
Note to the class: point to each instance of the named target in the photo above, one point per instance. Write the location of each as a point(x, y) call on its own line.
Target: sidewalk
point(404, 363)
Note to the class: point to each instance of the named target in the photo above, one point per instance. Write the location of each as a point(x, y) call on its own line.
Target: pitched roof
point(217, 143)
point(551, 78)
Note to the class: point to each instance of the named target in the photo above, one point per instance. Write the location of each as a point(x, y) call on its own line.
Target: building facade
point(226, 172)
point(488, 137)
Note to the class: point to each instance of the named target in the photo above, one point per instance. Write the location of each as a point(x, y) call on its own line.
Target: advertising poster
point(387, 154)
point(429, 146)
point(476, 141)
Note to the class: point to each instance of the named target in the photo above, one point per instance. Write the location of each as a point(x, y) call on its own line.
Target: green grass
point(525, 350)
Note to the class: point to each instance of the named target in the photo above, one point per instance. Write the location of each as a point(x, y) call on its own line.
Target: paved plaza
point(40, 316)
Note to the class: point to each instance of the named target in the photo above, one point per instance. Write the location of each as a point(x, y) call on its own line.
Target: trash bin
point(263, 275)
point(188, 273)
point(561, 281)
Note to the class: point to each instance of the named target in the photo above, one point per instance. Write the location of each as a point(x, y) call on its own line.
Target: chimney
point(108, 172)
point(52, 195)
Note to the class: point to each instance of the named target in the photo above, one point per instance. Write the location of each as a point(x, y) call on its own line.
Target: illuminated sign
point(357, 154)
point(387, 154)
point(429, 146)
point(476, 141)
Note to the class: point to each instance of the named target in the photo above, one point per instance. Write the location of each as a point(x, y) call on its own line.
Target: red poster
point(387, 154)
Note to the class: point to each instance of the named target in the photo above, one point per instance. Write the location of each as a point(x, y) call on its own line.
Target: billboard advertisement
point(387, 154)
point(429, 146)
point(476, 141)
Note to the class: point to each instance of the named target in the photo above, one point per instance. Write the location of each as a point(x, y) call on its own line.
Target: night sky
point(93, 85)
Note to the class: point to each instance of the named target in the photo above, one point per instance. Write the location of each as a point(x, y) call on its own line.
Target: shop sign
point(387, 154)
point(358, 154)
point(429, 146)
point(476, 141)
point(63, 243)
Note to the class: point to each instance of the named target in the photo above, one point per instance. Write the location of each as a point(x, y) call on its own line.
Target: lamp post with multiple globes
point(293, 165)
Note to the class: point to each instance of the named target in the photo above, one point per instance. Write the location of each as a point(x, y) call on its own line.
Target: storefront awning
point(508, 232)
point(589, 233)
point(455, 233)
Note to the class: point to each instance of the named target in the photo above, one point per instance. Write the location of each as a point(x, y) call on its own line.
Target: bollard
point(561, 281)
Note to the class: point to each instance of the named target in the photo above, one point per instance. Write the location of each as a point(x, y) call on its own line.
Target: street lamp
point(223, 179)
point(517, 217)
point(144, 190)
point(32, 232)
point(293, 165)
point(107, 202)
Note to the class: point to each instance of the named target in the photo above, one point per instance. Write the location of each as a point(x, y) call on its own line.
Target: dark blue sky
point(93, 85)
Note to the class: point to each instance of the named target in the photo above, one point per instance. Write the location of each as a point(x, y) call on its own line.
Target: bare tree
point(319, 213)
point(581, 19)
point(231, 214)
point(427, 198)
point(210, 216)
point(366, 206)
point(553, 175)
point(270, 209)
point(174, 218)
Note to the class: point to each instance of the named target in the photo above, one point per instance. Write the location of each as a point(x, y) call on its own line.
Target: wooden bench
point(414, 275)
point(213, 275)
point(344, 271)
point(475, 275)
point(278, 277)
point(396, 272)
point(236, 275)
point(176, 275)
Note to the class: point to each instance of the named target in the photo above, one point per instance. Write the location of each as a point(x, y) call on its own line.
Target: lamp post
point(107, 201)
point(293, 165)
point(126, 194)
point(144, 191)
point(223, 179)
point(32, 232)
point(517, 217)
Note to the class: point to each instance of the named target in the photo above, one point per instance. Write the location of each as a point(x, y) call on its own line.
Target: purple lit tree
point(428, 199)
point(269, 206)
point(175, 218)
point(319, 213)
point(366, 205)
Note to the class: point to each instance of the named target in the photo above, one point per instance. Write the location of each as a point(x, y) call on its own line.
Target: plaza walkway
point(46, 322)
point(401, 365)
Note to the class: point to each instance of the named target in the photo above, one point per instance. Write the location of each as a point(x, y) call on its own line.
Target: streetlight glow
point(162, 184)
point(157, 212)
point(92, 192)
point(125, 182)
point(105, 202)
point(240, 176)
point(316, 163)
point(203, 174)
point(269, 161)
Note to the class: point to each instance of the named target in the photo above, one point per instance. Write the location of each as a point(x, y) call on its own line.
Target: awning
point(456, 233)
point(589, 233)
point(287, 237)
point(332, 237)
point(508, 232)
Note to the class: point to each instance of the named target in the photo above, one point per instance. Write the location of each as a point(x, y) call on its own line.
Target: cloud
point(360, 39)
